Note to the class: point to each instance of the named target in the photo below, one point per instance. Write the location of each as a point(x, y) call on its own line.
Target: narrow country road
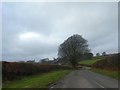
point(85, 79)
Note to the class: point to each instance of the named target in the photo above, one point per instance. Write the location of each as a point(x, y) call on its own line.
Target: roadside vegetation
point(109, 63)
point(31, 75)
point(16, 70)
point(106, 65)
point(38, 81)
point(110, 73)
point(91, 61)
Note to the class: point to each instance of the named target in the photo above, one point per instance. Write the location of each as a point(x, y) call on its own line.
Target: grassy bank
point(89, 62)
point(37, 81)
point(112, 74)
point(92, 61)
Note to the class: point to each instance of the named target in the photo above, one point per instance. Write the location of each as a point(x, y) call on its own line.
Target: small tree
point(89, 55)
point(73, 48)
point(104, 54)
point(97, 54)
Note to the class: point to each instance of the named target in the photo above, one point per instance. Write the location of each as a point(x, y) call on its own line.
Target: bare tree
point(73, 48)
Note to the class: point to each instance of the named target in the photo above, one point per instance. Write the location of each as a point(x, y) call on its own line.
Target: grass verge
point(112, 74)
point(38, 81)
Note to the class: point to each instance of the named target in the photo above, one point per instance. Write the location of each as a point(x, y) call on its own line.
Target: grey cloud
point(96, 22)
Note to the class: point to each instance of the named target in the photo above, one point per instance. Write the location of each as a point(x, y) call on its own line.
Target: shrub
point(15, 70)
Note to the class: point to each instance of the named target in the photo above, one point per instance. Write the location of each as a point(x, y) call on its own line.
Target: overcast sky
point(35, 30)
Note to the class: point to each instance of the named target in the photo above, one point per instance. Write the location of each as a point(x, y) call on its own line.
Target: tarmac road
point(85, 79)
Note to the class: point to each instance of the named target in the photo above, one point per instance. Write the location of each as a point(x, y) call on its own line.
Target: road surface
point(85, 79)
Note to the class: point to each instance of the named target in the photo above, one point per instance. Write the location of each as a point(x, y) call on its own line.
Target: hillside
point(110, 62)
point(92, 61)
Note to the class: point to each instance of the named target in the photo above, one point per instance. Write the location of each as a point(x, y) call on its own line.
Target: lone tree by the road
point(73, 48)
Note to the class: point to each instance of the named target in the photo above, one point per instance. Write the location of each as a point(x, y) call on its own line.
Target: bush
point(14, 70)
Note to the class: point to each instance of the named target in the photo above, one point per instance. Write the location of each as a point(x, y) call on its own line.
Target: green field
point(112, 74)
point(89, 62)
point(38, 81)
